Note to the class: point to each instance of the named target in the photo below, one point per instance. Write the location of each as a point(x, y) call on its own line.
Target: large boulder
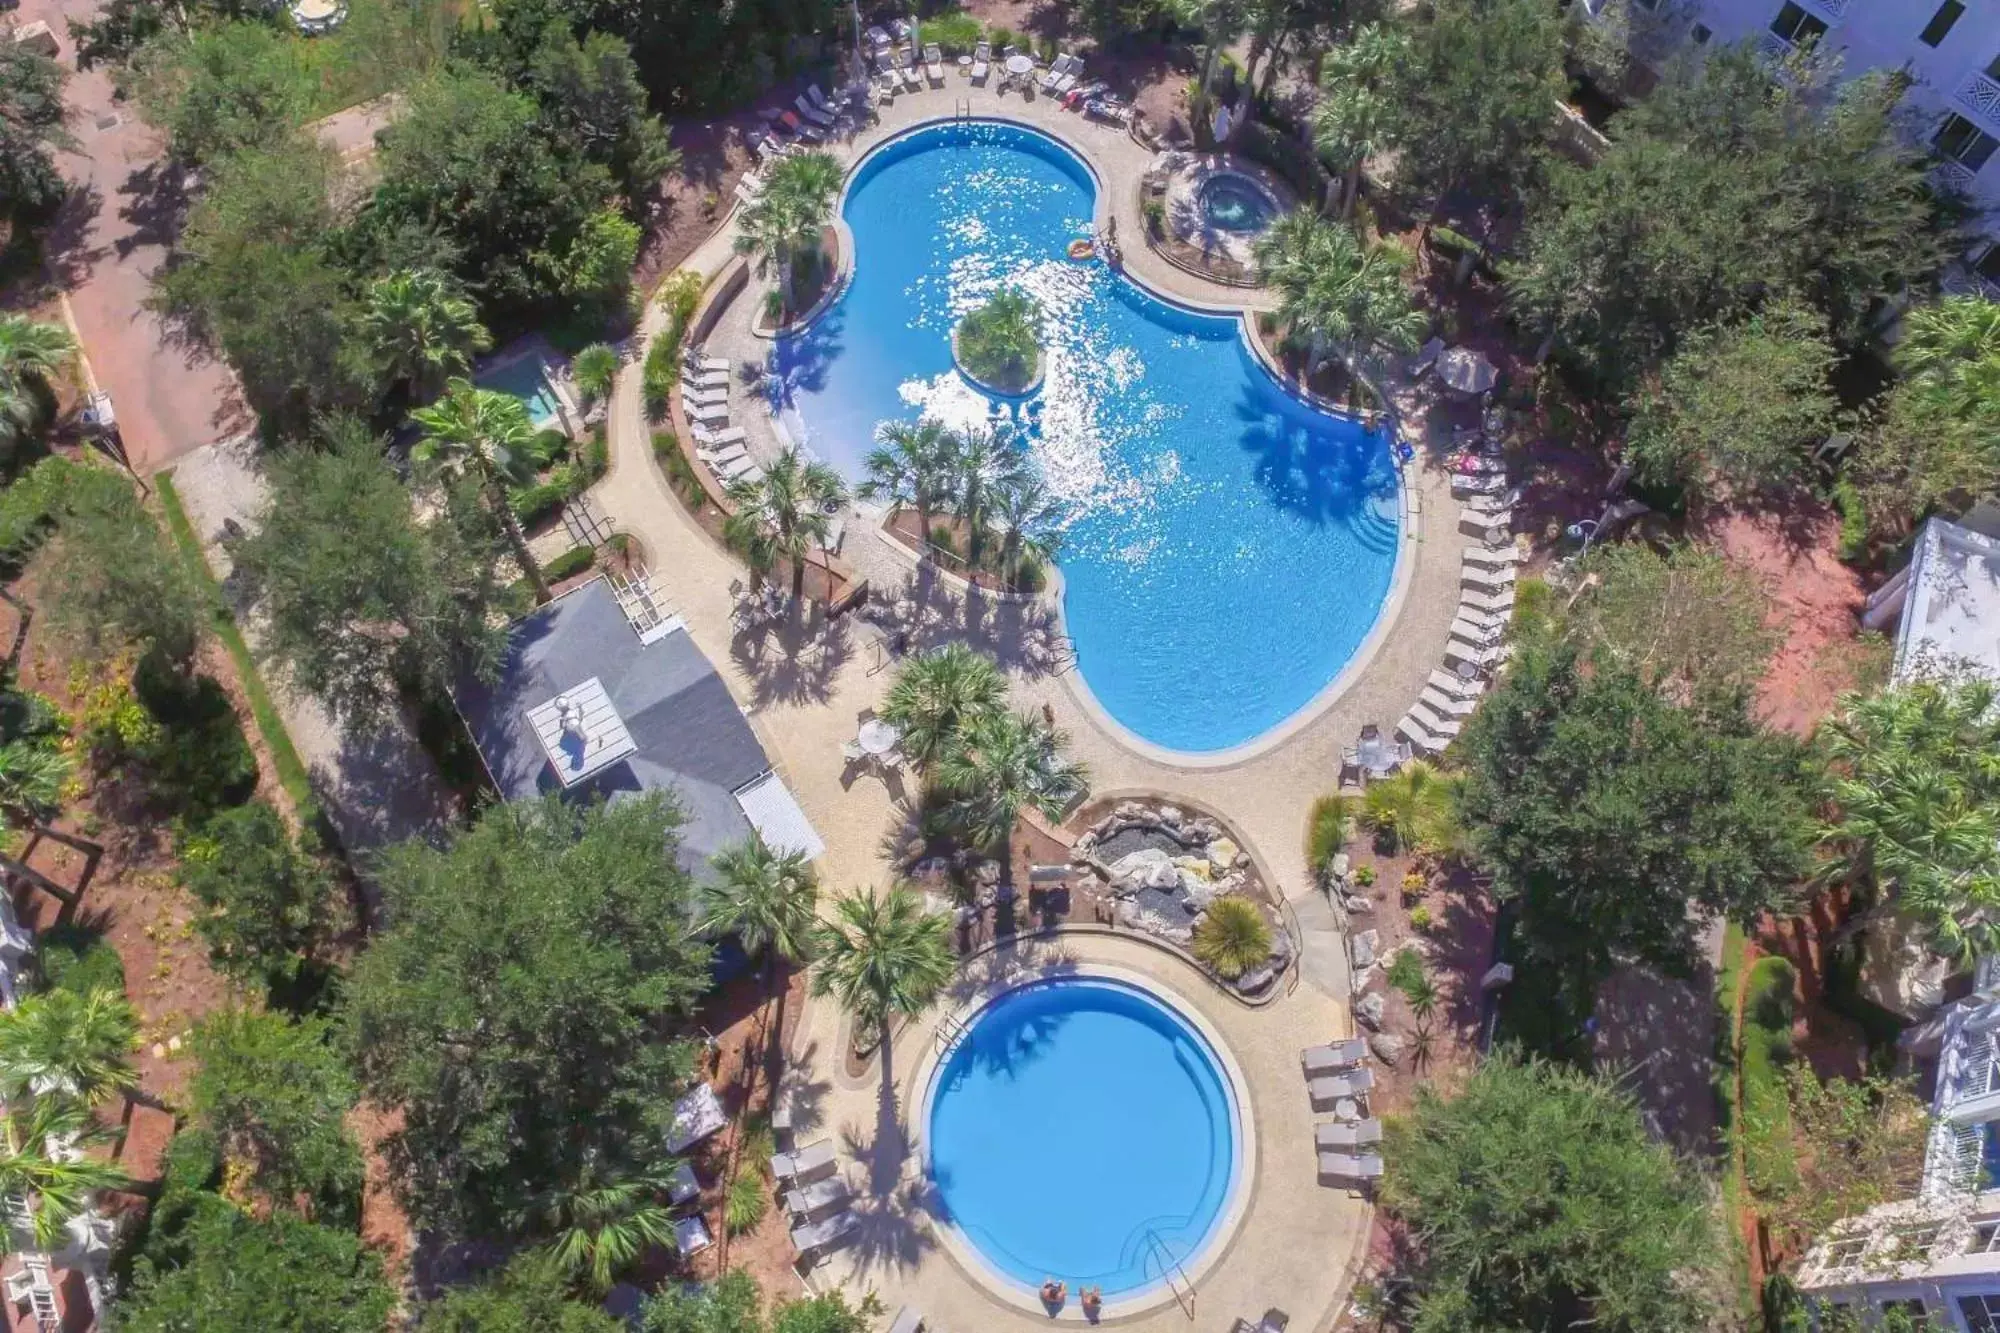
point(1370, 1008)
point(1362, 948)
point(1388, 1047)
point(1148, 868)
point(1222, 854)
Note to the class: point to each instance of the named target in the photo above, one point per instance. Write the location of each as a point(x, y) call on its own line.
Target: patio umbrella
point(1466, 371)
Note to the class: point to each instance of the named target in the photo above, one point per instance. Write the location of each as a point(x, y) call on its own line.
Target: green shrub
point(680, 473)
point(657, 381)
point(1364, 876)
point(76, 959)
point(1233, 937)
point(1328, 828)
point(535, 504)
point(193, 1161)
point(1156, 216)
point(1765, 1046)
point(954, 30)
point(549, 447)
point(1420, 919)
point(596, 459)
point(1406, 970)
point(269, 902)
point(1031, 575)
point(1853, 519)
point(942, 539)
point(570, 563)
point(746, 1201)
point(198, 761)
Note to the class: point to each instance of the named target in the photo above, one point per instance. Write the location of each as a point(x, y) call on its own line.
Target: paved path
point(376, 784)
point(804, 686)
point(108, 241)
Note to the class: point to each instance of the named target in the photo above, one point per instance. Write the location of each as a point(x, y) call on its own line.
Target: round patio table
point(877, 736)
point(1018, 65)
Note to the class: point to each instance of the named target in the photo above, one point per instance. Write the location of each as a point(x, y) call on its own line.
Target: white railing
point(1980, 1074)
point(1955, 175)
point(1832, 9)
point(1952, 1160)
point(1773, 47)
point(1981, 96)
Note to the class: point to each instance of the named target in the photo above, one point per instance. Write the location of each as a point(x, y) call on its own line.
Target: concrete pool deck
point(804, 687)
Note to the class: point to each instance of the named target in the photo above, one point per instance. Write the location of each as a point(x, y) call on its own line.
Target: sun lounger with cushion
point(907, 1321)
point(812, 113)
point(1334, 1056)
point(715, 439)
point(1493, 557)
point(817, 1197)
point(818, 1237)
point(1342, 1135)
point(712, 414)
point(982, 61)
point(1420, 736)
point(1479, 577)
point(1487, 601)
point(1489, 524)
point(1350, 1166)
point(1069, 76)
point(934, 64)
point(1057, 68)
point(807, 1163)
point(1456, 686)
point(1447, 705)
point(1495, 504)
point(1333, 1087)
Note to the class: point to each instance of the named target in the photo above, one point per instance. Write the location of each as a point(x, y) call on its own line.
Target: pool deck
point(804, 686)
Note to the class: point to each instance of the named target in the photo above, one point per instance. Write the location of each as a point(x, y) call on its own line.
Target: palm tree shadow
point(811, 654)
point(897, 1198)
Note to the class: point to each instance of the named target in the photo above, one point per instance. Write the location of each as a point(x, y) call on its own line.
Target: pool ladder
point(962, 109)
point(950, 1032)
point(1170, 1270)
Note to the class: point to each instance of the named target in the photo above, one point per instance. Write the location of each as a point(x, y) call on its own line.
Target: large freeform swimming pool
point(1083, 1130)
point(1228, 547)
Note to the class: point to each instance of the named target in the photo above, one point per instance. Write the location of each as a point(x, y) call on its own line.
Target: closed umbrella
point(1466, 371)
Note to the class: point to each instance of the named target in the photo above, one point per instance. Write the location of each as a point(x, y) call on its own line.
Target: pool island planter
point(1027, 390)
point(967, 1256)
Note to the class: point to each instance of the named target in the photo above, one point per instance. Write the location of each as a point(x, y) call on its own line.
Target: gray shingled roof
point(692, 738)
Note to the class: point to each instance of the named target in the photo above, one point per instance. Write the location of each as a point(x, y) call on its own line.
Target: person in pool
point(1053, 1292)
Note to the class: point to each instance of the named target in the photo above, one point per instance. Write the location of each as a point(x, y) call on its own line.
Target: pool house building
point(1937, 1253)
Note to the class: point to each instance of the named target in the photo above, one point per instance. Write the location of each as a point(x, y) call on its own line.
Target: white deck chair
point(934, 64)
point(709, 414)
point(1070, 76)
point(1472, 655)
point(816, 1238)
point(1493, 525)
point(1501, 600)
point(704, 379)
point(1057, 68)
point(982, 62)
point(702, 363)
point(1417, 734)
point(723, 456)
point(716, 439)
point(1333, 1057)
point(1493, 557)
point(1488, 580)
point(705, 397)
point(1344, 1135)
point(1437, 724)
point(1489, 483)
point(1447, 705)
point(817, 1197)
point(1453, 685)
point(1333, 1087)
point(907, 1321)
point(1350, 1166)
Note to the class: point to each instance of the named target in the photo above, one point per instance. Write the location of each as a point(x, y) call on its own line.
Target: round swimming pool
point(1083, 1129)
point(1233, 202)
point(1227, 546)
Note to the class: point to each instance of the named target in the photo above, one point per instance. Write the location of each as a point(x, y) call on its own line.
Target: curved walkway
point(804, 686)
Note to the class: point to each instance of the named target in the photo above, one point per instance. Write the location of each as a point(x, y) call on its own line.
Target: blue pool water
point(1078, 1122)
point(1235, 203)
point(1227, 548)
point(525, 378)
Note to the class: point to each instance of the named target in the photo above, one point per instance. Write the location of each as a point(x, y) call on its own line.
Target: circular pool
point(1083, 1129)
point(1226, 548)
point(1232, 202)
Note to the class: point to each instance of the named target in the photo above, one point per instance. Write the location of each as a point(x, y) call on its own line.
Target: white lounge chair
point(741, 469)
point(1333, 1057)
point(982, 62)
point(1417, 734)
point(715, 439)
point(1436, 723)
point(934, 64)
point(1500, 600)
point(807, 1163)
point(906, 67)
point(1453, 685)
point(1491, 580)
point(1495, 504)
point(1070, 76)
point(1350, 1166)
point(726, 456)
point(691, 1236)
point(1464, 487)
point(1333, 1087)
point(1447, 705)
point(709, 414)
point(1344, 1135)
point(907, 1321)
point(1490, 524)
point(1057, 68)
point(700, 362)
point(704, 379)
point(815, 1238)
point(820, 100)
point(1493, 557)
point(817, 1197)
point(705, 397)
point(1480, 657)
point(824, 119)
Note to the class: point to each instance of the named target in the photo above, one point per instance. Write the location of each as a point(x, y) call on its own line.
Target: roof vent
point(581, 732)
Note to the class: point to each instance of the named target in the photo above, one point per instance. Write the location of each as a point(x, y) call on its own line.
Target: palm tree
point(31, 354)
point(940, 694)
point(31, 781)
point(601, 1226)
point(1221, 23)
point(488, 435)
point(59, 1042)
point(1002, 764)
point(984, 460)
point(422, 329)
point(910, 464)
point(1917, 790)
point(882, 956)
point(1412, 807)
point(788, 216)
point(765, 898)
point(595, 370)
point(1026, 513)
point(1233, 937)
point(42, 1166)
point(1355, 109)
point(1952, 350)
point(1335, 294)
point(793, 503)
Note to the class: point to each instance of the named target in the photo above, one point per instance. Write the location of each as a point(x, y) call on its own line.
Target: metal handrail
point(949, 1033)
point(1169, 1269)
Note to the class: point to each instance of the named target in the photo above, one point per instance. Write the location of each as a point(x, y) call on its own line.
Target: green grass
point(290, 769)
point(382, 46)
point(1727, 978)
point(1765, 1046)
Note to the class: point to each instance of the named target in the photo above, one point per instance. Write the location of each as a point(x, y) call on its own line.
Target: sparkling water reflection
point(1228, 547)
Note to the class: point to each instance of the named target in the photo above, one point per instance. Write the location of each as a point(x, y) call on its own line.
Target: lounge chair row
point(816, 1196)
point(1334, 1072)
point(705, 401)
point(1476, 644)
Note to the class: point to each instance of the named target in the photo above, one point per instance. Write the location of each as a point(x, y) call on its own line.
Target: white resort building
point(1949, 49)
point(1938, 1254)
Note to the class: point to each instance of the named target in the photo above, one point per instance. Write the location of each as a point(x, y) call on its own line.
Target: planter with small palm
point(999, 346)
point(785, 513)
point(1232, 937)
point(883, 957)
point(788, 219)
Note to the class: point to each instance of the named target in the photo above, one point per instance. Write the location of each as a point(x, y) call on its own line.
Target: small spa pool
point(1082, 1129)
point(1232, 202)
point(526, 378)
